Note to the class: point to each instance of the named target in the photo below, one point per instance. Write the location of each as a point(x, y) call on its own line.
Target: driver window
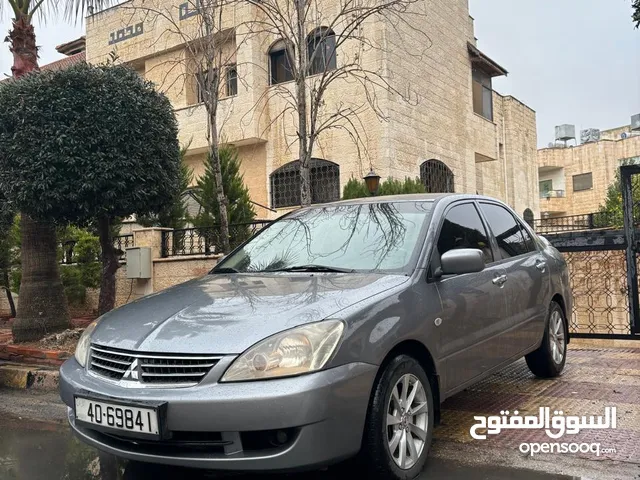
point(462, 228)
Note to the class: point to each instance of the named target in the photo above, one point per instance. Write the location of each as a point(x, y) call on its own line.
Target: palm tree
point(42, 307)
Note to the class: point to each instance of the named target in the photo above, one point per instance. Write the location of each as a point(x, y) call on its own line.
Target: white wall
point(556, 176)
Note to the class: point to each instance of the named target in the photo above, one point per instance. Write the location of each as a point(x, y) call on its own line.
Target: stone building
point(459, 135)
point(574, 179)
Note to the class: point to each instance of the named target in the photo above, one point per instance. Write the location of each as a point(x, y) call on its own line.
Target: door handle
point(500, 280)
point(541, 265)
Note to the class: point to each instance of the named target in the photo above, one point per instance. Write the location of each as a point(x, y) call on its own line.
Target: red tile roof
point(65, 62)
point(61, 64)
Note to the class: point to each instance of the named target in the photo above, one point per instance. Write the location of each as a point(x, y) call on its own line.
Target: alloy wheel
point(556, 337)
point(407, 421)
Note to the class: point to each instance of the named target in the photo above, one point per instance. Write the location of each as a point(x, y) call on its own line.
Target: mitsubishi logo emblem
point(133, 373)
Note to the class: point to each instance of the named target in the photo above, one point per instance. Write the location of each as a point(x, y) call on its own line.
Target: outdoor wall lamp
point(372, 180)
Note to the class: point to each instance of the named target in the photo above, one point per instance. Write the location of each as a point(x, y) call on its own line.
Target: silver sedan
point(335, 332)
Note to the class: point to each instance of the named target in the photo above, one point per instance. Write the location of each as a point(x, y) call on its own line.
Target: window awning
point(483, 62)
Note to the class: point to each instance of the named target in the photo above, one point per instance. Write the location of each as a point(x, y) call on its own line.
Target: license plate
point(127, 418)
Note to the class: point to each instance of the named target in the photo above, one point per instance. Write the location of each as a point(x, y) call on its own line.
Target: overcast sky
point(573, 61)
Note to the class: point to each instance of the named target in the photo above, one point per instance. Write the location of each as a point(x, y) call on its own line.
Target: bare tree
point(313, 33)
point(206, 67)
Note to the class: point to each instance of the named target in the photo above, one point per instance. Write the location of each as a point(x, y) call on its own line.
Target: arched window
point(280, 63)
point(436, 177)
point(321, 49)
point(285, 183)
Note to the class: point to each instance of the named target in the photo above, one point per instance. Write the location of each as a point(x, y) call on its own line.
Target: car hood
point(226, 314)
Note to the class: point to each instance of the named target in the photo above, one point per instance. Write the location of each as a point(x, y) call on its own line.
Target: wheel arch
point(420, 352)
point(559, 299)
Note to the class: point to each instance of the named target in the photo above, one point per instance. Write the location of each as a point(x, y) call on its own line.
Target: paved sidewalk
point(594, 378)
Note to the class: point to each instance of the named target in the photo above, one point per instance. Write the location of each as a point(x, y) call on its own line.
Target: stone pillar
point(152, 238)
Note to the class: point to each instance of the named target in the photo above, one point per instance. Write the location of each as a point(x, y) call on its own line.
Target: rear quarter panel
point(560, 279)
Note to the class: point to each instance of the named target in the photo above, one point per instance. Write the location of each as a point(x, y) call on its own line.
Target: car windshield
point(361, 237)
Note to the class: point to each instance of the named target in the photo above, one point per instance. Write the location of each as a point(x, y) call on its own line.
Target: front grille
point(150, 368)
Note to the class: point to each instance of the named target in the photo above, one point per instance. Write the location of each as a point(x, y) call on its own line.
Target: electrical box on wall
point(139, 262)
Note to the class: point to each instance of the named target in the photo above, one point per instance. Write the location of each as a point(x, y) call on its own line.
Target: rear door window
point(512, 239)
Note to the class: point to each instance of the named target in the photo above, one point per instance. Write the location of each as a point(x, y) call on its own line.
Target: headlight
point(300, 350)
point(82, 349)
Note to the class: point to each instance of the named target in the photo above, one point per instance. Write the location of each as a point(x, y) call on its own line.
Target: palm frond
point(73, 10)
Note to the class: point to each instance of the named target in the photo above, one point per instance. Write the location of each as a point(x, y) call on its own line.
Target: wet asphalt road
point(42, 451)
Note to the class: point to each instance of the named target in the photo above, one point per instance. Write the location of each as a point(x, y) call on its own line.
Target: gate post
point(626, 174)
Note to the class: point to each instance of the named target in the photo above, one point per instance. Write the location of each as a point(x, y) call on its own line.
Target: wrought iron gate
point(630, 182)
point(603, 254)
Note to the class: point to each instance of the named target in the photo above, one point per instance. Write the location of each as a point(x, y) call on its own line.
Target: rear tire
point(549, 359)
point(399, 425)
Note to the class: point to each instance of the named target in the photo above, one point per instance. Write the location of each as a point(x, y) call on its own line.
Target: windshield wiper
point(224, 270)
point(312, 268)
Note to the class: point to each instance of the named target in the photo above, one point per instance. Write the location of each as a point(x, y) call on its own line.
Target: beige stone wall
point(519, 141)
point(438, 70)
point(168, 272)
point(426, 61)
point(496, 158)
point(126, 291)
point(602, 159)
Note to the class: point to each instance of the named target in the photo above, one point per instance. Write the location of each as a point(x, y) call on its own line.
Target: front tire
point(549, 359)
point(400, 420)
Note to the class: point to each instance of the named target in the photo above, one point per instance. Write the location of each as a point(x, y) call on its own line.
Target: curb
point(29, 377)
point(32, 356)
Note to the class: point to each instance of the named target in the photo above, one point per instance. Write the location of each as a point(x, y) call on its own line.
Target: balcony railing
point(574, 223)
point(553, 194)
point(206, 240)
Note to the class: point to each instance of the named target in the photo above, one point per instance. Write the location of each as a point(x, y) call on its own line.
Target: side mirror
point(464, 260)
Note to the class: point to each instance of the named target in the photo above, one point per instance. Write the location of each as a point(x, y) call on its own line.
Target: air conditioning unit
point(138, 262)
point(625, 135)
point(590, 135)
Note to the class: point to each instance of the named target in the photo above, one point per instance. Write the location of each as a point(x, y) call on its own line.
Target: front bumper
point(325, 410)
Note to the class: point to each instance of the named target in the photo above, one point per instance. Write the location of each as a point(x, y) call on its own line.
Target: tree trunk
point(43, 304)
point(7, 286)
point(304, 155)
point(22, 44)
point(214, 152)
point(110, 266)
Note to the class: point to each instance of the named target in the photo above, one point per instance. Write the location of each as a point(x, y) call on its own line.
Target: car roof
point(415, 197)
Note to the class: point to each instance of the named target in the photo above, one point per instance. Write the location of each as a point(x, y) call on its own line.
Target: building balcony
point(553, 194)
point(554, 204)
point(553, 158)
point(484, 139)
point(232, 126)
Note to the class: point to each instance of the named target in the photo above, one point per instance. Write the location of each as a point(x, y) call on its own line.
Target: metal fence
point(206, 240)
point(120, 243)
point(574, 223)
